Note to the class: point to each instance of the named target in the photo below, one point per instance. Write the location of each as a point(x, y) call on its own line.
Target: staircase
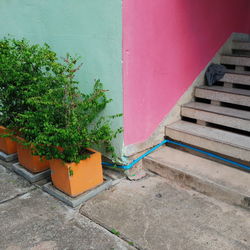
point(217, 121)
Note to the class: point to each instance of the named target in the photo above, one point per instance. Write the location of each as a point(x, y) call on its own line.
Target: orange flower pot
point(7, 145)
point(76, 178)
point(33, 163)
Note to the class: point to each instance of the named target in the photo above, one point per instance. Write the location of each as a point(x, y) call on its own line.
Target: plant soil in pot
point(7, 145)
point(33, 163)
point(76, 178)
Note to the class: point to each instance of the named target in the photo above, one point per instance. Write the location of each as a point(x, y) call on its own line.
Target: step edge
point(245, 73)
point(236, 73)
point(222, 91)
point(175, 166)
point(214, 112)
point(208, 138)
point(242, 79)
point(240, 41)
point(204, 181)
point(236, 56)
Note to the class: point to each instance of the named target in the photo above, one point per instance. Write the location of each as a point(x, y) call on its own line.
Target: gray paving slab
point(35, 221)
point(6, 157)
point(11, 185)
point(157, 215)
point(8, 165)
point(76, 201)
point(31, 177)
point(115, 174)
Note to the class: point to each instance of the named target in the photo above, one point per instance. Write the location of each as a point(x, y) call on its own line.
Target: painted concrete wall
point(90, 28)
point(166, 44)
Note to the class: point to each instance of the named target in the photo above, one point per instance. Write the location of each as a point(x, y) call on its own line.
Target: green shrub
point(26, 70)
point(63, 122)
point(41, 102)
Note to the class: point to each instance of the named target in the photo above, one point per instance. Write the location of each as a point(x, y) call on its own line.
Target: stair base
point(211, 178)
point(206, 156)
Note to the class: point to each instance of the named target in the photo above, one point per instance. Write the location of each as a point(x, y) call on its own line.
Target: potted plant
point(26, 71)
point(68, 124)
point(7, 145)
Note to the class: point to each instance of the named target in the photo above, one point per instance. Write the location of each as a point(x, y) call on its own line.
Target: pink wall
point(166, 44)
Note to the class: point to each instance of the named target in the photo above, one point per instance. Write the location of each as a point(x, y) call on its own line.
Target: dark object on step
point(214, 73)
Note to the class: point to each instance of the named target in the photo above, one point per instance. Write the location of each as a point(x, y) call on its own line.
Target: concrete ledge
point(31, 177)
point(6, 157)
point(225, 183)
point(76, 201)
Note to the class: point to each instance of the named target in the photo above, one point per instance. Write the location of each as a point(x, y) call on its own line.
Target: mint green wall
point(90, 28)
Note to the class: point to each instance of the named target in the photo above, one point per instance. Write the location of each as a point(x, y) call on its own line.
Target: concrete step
point(211, 178)
point(236, 78)
point(223, 94)
point(235, 60)
point(242, 72)
point(212, 139)
point(241, 45)
point(229, 117)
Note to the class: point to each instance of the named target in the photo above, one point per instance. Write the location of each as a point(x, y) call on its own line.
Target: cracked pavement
point(31, 219)
point(151, 213)
point(157, 214)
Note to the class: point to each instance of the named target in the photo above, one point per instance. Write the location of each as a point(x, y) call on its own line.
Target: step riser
point(234, 60)
point(234, 78)
point(241, 46)
point(214, 146)
point(228, 121)
point(222, 97)
point(217, 109)
point(199, 184)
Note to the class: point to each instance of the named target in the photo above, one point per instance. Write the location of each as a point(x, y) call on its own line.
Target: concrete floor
point(31, 219)
point(149, 214)
point(156, 215)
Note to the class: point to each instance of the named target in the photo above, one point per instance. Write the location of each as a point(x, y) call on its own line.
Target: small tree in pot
point(64, 128)
point(26, 70)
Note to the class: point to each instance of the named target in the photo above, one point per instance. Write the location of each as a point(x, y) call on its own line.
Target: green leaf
point(115, 232)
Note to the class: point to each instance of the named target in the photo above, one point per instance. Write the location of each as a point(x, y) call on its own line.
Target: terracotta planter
point(7, 145)
point(87, 174)
point(31, 162)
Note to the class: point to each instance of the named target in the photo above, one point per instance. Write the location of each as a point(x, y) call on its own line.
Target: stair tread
point(238, 72)
point(215, 172)
point(239, 41)
point(239, 78)
point(221, 136)
point(241, 45)
point(226, 90)
point(240, 60)
point(236, 55)
point(242, 114)
point(233, 72)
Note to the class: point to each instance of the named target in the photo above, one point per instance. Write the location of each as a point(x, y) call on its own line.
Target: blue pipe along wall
point(129, 166)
